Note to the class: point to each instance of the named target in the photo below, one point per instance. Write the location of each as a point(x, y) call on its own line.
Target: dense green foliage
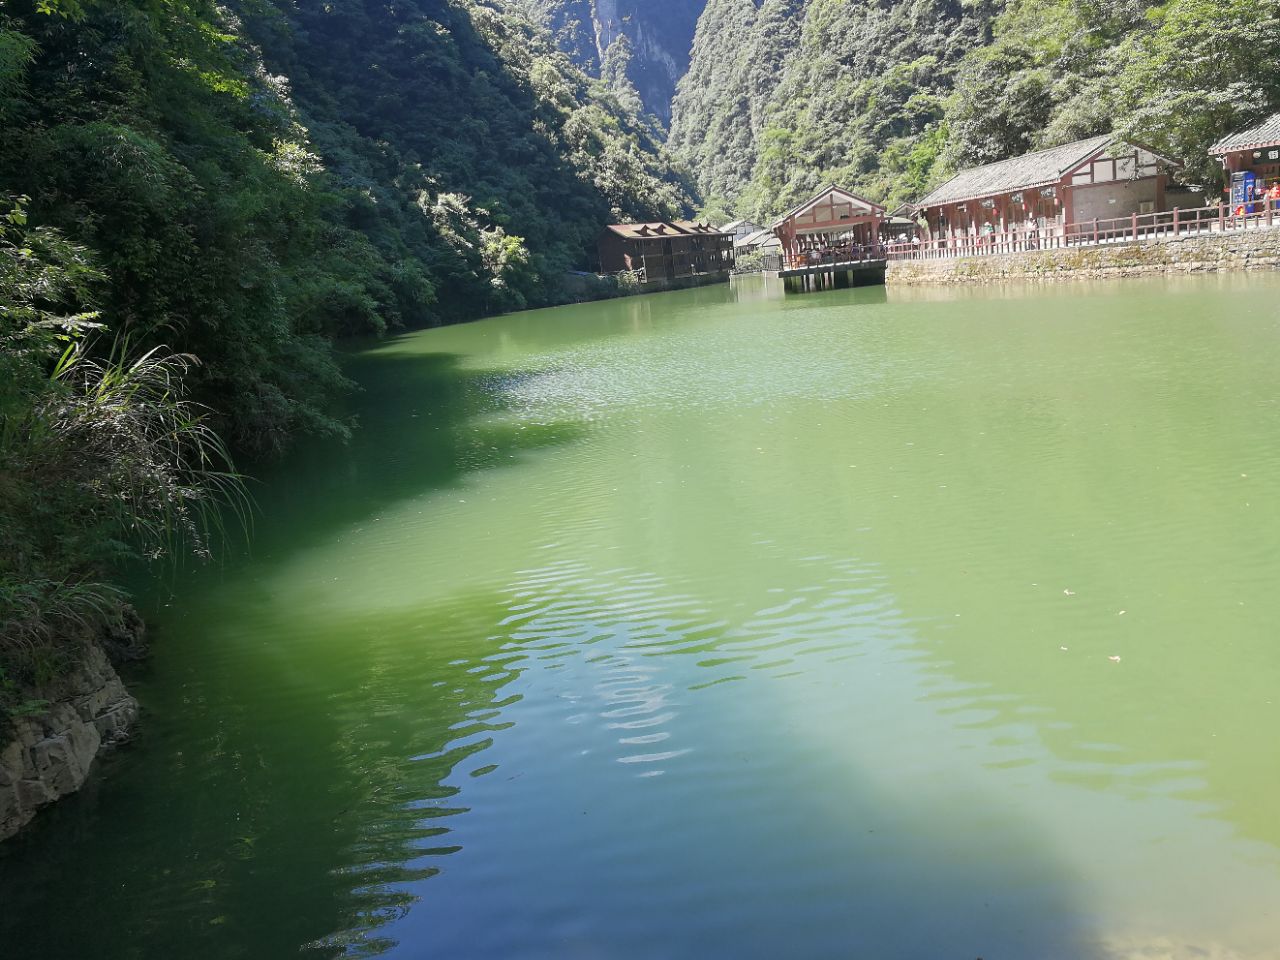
point(822, 91)
point(213, 195)
point(889, 99)
point(573, 26)
point(257, 181)
point(721, 111)
point(1175, 75)
point(465, 141)
point(100, 459)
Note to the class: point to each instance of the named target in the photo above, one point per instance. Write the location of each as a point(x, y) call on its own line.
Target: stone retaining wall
point(1247, 250)
point(49, 756)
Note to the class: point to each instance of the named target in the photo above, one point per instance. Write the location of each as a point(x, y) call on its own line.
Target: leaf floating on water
point(1120, 614)
point(1062, 648)
point(1114, 659)
point(1069, 593)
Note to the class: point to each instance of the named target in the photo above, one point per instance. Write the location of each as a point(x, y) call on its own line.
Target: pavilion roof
point(1018, 173)
point(821, 195)
point(1265, 133)
point(735, 224)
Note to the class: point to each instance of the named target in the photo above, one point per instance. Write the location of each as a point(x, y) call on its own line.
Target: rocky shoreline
point(50, 755)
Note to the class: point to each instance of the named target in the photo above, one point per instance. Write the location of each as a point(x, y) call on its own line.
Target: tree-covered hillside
point(739, 56)
point(783, 96)
point(889, 98)
point(1175, 75)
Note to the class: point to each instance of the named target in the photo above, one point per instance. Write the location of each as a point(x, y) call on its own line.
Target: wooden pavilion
point(835, 226)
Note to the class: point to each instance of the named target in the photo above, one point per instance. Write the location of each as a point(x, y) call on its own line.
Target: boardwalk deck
point(826, 276)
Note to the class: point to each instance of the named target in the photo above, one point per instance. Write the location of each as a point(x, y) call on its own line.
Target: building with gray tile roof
point(761, 238)
point(1265, 133)
point(1018, 173)
point(1098, 178)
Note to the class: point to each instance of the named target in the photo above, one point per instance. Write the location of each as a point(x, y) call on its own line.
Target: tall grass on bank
point(130, 439)
point(102, 458)
point(113, 460)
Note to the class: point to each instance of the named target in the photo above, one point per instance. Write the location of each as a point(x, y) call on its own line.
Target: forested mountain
point(644, 41)
point(888, 98)
point(820, 90)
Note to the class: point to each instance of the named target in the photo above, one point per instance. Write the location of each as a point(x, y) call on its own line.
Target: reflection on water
point(887, 623)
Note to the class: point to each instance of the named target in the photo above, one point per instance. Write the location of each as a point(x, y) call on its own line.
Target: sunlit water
point(874, 624)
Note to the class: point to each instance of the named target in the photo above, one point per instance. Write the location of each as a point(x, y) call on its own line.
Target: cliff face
point(659, 33)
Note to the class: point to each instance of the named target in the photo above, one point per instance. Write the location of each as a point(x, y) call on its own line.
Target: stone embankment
point(48, 756)
point(1207, 253)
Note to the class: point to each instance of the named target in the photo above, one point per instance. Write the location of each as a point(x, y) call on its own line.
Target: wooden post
point(1222, 217)
point(1175, 221)
point(1135, 226)
point(1271, 206)
point(1095, 231)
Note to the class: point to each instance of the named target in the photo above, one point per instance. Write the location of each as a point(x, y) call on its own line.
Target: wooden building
point(835, 226)
point(1043, 192)
point(667, 250)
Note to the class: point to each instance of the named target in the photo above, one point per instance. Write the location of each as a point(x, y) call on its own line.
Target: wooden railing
point(1138, 226)
point(858, 253)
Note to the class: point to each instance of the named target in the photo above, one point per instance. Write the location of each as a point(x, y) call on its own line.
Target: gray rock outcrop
point(48, 756)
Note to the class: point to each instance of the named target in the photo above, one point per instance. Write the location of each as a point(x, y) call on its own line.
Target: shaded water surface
point(892, 624)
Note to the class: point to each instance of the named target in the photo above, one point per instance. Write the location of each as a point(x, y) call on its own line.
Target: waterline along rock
point(46, 757)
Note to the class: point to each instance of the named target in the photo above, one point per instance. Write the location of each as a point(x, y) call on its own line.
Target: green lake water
point(869, 624)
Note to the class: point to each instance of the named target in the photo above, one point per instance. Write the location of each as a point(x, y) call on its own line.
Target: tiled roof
point(1264, 134)
point(692, 226)
point(664, 228)
point(730, 227)
point(1018, 173)
point(755, 239)
point(632, 230)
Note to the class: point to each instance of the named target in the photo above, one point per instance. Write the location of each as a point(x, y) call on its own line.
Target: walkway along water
point(1256, 248)
point(1176, 245)
point(823, 250)
point(1197, 221)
